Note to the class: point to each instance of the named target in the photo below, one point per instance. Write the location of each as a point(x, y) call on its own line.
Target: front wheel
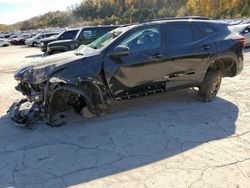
point(210, 86)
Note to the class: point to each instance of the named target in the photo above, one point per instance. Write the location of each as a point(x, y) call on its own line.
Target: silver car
point(242, 29)
point(4, 42)
point(34, 41)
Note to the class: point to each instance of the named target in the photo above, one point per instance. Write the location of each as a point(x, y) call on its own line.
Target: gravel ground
point(165, 140)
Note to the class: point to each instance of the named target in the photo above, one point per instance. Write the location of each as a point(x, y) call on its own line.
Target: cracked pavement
point(163, 140)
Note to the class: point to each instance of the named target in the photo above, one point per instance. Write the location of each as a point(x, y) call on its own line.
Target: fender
point(89, 101)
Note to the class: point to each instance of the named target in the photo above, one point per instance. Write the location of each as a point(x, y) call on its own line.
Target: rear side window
point(197, 33)
point(179, 33)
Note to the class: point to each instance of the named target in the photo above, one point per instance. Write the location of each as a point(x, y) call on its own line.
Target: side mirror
point(120, 51)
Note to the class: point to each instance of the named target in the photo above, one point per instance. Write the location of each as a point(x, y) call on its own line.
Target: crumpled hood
point(43, 69)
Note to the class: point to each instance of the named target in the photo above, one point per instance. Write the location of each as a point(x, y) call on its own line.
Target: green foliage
point(95, 12)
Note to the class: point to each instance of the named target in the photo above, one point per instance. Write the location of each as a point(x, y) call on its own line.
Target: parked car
point(128, 62)
point(12, 37)
point(244, 30)
point(20, 40)
point(66, 35)
point(85, 36)
point(34, 41)
point(4, 42)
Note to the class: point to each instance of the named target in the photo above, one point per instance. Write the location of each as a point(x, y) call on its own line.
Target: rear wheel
point(210, 86)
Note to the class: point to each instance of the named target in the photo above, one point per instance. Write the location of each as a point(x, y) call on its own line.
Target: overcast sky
point(12, 11)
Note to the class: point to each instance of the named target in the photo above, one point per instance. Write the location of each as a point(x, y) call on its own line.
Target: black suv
point(129, 62)
point(66, 35)
point(85, 36)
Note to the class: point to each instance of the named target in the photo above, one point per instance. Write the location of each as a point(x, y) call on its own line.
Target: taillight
point(242, 41)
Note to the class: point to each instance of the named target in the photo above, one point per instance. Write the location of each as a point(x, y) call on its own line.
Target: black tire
point(210, 86)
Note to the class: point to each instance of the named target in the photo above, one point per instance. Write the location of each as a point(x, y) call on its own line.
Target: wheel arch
point(87, 90)
point(226, 64)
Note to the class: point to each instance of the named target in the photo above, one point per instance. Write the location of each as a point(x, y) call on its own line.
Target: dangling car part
point(24, 113)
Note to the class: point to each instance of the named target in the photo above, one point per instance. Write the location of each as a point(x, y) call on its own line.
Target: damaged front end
point(30, 109)
point(58, 84)
point(50, 96)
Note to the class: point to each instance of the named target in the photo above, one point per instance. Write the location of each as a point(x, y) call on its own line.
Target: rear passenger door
point(187, 49)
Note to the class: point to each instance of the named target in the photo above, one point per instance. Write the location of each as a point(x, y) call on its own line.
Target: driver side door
point(135, 72)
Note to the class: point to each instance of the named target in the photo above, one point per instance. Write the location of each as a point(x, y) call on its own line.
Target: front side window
point(108, 38)
point(68, 35)
point(144, 39)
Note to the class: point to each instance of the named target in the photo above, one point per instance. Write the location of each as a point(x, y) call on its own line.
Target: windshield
point(108, 38)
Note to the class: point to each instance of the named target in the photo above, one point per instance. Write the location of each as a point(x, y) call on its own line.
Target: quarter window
point(145, 39)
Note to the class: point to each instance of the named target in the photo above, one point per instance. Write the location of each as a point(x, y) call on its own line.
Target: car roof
point(176, 20)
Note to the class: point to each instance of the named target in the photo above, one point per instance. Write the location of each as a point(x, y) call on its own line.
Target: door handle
point(205, 47)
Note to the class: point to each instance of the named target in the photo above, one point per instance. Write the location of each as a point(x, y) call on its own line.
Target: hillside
point(94, 12)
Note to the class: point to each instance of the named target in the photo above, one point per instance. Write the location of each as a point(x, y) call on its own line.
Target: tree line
point(96, 12)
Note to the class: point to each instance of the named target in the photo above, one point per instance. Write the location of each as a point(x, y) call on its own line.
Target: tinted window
point(144, 39)
point(197, 33)
point(68, 35)
point(179, 33)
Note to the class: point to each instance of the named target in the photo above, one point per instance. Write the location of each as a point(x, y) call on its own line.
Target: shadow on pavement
point(34, 56)
point(138, 132)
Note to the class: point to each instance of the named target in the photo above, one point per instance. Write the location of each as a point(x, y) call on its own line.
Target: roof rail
point(179, 18)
